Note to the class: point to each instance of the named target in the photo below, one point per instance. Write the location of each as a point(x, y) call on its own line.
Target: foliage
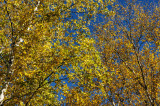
point(36, 43)
point(50, 57)
point(129, 46)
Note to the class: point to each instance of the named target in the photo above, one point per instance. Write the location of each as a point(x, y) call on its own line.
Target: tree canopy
point(55, 52)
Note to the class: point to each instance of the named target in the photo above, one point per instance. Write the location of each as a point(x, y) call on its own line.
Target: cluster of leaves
point(36, 43)
point(47, 44)
point(123, 65)
point(129, 46)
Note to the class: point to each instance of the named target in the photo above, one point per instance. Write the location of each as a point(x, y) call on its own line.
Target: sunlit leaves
point(129, 48)
point(50, 56)
point(41, 37)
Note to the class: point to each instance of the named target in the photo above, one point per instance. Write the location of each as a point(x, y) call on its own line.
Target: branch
point(41, 85)
point(137, 57)
point(10, 61)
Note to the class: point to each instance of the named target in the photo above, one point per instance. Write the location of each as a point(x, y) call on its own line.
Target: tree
point(36, 43)
point(129, 47)
point(49, 56)
point(121, 66)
